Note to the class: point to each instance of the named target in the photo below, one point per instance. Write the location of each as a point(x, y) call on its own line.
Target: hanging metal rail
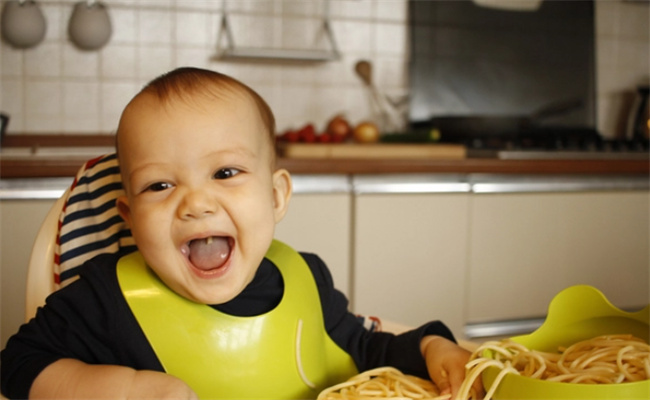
point(233, 51)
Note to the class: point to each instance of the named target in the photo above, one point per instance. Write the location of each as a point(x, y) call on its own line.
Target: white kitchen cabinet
point(320, 223)
point(410, 257)
point(526, 247)
point(20, 220)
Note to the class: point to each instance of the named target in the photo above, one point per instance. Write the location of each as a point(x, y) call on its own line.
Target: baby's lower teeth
point(208, 240)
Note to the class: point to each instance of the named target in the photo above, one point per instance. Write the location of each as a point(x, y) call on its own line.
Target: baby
point(210, 306)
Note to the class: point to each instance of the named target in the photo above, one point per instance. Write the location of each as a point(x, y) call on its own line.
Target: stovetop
point(558, 147)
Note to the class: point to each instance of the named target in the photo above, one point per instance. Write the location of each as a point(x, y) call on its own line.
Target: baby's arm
point(446, 364)
point(73, 379)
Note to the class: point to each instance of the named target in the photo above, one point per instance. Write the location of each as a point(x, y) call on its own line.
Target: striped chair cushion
point(89, 223)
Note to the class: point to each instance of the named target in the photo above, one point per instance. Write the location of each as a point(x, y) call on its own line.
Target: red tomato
point(307, 133)
point(291, 136)
point(325, 137)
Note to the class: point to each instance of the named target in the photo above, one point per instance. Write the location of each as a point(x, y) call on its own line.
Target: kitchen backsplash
point(56, 88)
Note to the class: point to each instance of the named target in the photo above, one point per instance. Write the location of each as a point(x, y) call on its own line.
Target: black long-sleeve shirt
point(90, 321)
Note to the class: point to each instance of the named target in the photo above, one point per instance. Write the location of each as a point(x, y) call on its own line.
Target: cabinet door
point(410, 256)
point(320, 224)
point(525, 248)
point(20, 220)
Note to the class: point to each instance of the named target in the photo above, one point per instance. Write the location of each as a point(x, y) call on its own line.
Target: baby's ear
point(122, 205)
point(281, 193)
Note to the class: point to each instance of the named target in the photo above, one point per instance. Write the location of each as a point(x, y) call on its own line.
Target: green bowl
point(577, 313)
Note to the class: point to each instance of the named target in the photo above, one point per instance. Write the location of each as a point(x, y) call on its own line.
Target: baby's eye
point(225, 173)
point(158, 187)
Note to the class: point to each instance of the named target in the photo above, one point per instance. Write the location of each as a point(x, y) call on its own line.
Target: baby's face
point(202, 197)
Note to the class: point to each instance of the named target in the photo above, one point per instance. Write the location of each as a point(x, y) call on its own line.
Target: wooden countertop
point(67, 167)
point(59, 166)
point(469, 165)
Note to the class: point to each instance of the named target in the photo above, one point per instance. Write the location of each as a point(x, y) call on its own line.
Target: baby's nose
point(197, 204)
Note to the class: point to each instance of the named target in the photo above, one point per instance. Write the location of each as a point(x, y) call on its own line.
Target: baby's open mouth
point(209, 253)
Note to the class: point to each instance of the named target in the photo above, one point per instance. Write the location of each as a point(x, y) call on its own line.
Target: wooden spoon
point(364, 70)
point(387, 113)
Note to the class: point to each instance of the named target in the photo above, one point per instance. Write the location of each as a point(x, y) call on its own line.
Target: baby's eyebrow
point(146, 166)
point(241, 151)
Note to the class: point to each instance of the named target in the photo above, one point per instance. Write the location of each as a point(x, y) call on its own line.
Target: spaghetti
point(383, 383)
point(600, 360)
point(603, 359)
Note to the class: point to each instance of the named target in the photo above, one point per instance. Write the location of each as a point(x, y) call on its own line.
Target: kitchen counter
point(466, 166)
point(59, 166)
point(29, 156)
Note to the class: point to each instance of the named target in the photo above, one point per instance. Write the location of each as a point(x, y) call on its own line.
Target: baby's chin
point(207, 298)
point(212, 294)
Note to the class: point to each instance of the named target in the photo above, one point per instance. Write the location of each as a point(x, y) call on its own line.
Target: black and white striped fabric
point(89, 223)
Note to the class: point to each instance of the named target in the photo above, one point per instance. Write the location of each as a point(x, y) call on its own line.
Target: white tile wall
point(56, 88)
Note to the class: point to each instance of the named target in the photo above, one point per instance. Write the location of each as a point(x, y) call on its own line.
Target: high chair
point(40, 271)
point(81, 224)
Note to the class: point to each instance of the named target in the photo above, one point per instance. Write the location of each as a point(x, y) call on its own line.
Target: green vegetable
point(418, 136)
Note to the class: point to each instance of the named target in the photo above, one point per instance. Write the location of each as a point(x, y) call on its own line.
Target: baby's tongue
point(209, 253)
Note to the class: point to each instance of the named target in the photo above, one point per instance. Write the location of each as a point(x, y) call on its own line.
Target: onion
point(339, 126)
point(366, 132)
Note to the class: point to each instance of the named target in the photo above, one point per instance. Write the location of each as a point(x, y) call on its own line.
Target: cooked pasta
point(383, 383)
point(603, 359)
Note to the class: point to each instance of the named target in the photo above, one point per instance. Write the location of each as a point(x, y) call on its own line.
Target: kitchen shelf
point(234, 52)
point(279, 54)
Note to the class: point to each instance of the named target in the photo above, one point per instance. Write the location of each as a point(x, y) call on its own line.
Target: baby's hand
point(72, 379)
point(446, 364)
point(158, 385)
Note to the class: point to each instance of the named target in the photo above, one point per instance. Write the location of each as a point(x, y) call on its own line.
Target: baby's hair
point(189, 80)
point(184, 82)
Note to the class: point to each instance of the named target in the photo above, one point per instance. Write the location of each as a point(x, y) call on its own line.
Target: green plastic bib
point(283, 354)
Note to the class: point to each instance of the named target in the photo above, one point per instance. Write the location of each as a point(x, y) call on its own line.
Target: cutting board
point(373, 151)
